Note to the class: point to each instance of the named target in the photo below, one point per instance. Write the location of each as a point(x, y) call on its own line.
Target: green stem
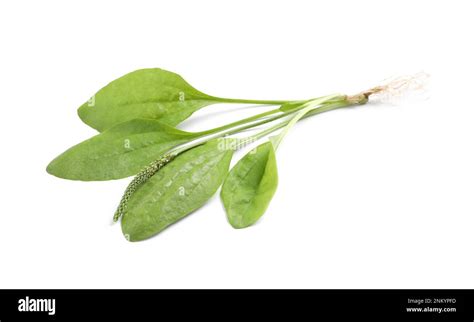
point(255, 124)
point(234, 128)
point(329, 106)
point(326, 99)
point(259, 135)
point(246, 101)
point(237, 123)
point(255, 118)
point(306, 108)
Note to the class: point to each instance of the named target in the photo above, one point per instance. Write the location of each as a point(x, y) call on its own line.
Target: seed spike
point(145, 174)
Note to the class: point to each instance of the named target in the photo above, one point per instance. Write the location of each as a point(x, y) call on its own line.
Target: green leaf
point(250, 186)
point(180, 187)
point(119, 152)
point(146, 93)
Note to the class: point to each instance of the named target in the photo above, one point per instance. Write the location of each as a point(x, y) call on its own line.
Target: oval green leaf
point(180, 187)
point(119, 152)
point(151, 93)
point(250, 186)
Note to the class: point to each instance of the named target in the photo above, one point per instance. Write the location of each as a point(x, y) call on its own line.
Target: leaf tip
point(59, 168)
point(127, 237)
point(239, 225)
point(85, 115)
point(51, 168)
point(238, 220)
point(132, 229)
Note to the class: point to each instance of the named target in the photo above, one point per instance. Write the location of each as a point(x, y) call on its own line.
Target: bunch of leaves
point(177, 172)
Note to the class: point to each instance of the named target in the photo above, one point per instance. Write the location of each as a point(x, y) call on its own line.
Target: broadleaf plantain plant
point(149, 93)
point(176, 171)
point(250, 185)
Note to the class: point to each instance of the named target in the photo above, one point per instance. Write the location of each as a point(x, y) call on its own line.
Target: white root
point(396, 88)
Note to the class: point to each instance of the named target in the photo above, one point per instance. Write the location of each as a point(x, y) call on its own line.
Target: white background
point(378, 196)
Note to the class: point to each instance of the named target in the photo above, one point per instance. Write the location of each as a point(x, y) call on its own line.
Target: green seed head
point(139, 179)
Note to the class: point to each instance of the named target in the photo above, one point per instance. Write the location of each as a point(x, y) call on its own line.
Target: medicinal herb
point(179, 188)
point(119, 152)
point(252, 182)
point(151, 93)
point(250, 185)
point(176, 171)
